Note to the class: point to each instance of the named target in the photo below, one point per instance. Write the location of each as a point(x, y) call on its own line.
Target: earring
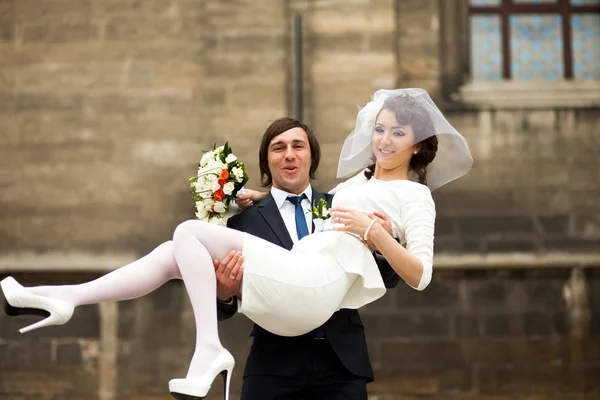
point(415, 152)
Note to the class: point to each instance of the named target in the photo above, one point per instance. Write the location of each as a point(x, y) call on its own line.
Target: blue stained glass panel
point(484, 2)
point(536, 47)
point(586, 46)
point(486, 48)
point(534, 1)
point(585, 2)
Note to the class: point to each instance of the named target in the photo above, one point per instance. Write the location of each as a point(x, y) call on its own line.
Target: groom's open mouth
point(290, 169)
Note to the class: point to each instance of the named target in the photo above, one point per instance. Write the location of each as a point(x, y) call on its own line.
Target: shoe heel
point(226, 374)
point(53, 319)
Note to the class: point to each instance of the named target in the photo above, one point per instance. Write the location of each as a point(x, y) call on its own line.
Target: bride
point(402, 147)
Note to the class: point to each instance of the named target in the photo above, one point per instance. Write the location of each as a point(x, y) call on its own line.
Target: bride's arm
point(414, 263)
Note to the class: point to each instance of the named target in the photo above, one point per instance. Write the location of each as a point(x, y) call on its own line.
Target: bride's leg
point(196, 245)
point(131, 281)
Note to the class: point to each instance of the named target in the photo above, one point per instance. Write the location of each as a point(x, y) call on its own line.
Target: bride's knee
point(184, 228)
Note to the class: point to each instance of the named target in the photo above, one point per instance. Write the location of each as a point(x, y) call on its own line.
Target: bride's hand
point(384, 221)
point(350, 220)
point(248, 198)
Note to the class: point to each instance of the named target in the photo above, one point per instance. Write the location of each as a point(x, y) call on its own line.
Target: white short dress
point(290, 293)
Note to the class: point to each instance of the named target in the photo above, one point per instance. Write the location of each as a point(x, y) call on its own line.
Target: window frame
point(508, 8)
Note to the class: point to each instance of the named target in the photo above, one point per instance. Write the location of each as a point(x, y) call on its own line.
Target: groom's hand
point(229, 272)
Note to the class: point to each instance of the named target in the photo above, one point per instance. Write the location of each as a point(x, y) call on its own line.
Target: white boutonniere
point(320, 213)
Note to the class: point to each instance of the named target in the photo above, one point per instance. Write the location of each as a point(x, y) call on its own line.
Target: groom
point(331, 362)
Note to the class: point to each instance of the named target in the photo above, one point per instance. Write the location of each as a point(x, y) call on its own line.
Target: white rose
point(228, 188)
point(238, 173)
point(219, 207)
point(230, 158)
point(206, 157)
point(208, 203)
point(215, 185)
point(219, 149)
point(201, 213)
point(218, 220)
point(326, 212)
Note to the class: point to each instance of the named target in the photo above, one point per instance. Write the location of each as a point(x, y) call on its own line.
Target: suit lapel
point(269, 211)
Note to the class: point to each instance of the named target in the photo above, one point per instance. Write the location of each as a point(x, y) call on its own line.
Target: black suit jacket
point(271, 354)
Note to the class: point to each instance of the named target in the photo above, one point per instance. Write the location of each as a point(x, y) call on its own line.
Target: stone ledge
point(64, 262)
point(86, 262)
point(530, 95)
point(517, 261)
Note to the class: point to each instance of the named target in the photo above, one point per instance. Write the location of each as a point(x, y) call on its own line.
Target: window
point(534, 40)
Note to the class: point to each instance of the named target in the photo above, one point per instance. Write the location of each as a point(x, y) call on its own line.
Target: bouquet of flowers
point(220, 177)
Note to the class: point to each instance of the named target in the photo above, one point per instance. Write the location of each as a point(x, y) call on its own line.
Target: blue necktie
point(301, 228)
point(302, 231)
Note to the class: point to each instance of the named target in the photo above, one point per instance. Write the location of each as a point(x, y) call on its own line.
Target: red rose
point(224, 174)
point(219, 195)
point(222, 182)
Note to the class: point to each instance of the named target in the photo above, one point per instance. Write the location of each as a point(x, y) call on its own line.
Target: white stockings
point(189, 257)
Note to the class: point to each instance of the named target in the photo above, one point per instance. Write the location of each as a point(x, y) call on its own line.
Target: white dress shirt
point(288, 210)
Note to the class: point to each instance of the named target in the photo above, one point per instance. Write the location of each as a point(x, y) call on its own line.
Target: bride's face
point(393, 143)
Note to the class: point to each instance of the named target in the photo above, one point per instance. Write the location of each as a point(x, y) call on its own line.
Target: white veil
point(453, 158)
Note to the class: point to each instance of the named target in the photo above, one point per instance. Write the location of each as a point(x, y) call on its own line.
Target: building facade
point(106, 105)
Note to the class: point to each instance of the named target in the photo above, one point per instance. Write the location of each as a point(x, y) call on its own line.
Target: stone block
point(496, 226)
point(381, 42)
point(7, 29)
point(526, 245)
point(344, 68)
point(538, 324)
point(428, 353)
point(575, 245)
point(7, 102)
point(257, 44)
point(487, 325)
point(353, 18)
point(25, 354)
point(340, 43)
point(518, 351)
point(488, 293)
point(48, 101)
point(251, 17)
point(540, 380)
point(417, 325)
point(441, 294)
point(444, 226)
point(141, 29)
point(134, 8)
point(54, 11)
point(553, 224)
point(33, 32)
point(421, 381)
point(245, 67)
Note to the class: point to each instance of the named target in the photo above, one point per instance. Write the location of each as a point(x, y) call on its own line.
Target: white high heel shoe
point(197, 388)
point(19, 301)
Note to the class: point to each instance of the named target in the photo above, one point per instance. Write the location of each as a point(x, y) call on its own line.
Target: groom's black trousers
point(323, 378)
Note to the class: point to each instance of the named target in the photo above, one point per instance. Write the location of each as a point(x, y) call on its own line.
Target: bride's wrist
point(368, 230)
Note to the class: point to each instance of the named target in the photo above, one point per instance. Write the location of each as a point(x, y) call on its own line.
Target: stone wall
point(105, 106)
point(476, 334)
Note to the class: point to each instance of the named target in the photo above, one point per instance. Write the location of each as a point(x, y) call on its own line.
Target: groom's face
point(289, 160)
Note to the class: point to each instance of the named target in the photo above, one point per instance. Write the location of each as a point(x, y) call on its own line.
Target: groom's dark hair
point(276, 128)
